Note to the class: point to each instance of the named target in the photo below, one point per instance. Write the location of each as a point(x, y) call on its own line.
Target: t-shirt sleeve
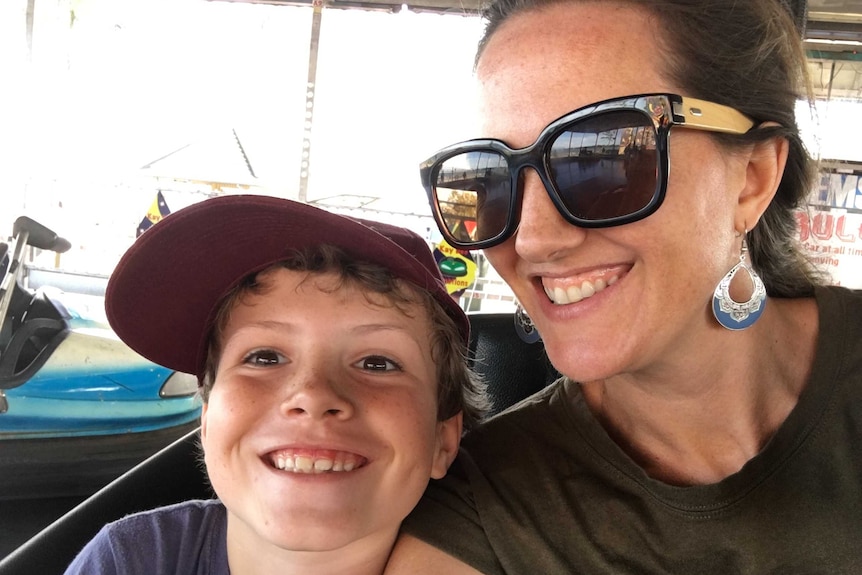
point(187, 538)
point(447, 518)
point(96, 558)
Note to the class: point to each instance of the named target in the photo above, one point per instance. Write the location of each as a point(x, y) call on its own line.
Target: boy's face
point(321, 431)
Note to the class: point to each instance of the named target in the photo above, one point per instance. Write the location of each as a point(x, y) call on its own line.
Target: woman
point(642, 150)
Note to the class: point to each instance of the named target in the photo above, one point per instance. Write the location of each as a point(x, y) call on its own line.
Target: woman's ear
point(448, 441)
point(764, 171)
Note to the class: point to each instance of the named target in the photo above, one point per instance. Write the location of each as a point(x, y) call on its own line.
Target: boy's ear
point(204, 421)
point(448, 440)
point(765, 168)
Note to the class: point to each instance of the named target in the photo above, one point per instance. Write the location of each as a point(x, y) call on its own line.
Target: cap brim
point(163, 294)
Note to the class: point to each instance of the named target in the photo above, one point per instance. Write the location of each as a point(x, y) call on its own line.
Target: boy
point(331, 364)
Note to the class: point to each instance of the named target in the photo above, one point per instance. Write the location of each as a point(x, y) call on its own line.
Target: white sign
point(831, 229)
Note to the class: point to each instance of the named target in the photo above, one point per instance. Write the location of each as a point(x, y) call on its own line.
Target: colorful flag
point(157, 211)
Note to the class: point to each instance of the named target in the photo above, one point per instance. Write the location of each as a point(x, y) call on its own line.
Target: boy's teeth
point(328, 462)
point(576, 293)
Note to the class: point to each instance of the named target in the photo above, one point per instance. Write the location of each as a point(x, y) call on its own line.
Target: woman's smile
point(569, 290)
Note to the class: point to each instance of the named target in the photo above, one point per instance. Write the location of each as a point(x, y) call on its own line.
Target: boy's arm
point(412, 556)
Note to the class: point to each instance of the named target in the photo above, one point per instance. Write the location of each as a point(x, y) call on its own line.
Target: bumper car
point(77, 406)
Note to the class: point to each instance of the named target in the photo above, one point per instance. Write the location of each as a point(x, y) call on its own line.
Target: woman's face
point(653, 279)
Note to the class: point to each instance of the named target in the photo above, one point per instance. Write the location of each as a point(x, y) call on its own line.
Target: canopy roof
point(841, 19)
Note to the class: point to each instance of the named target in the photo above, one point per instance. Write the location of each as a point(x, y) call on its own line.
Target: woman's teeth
point(575, 293)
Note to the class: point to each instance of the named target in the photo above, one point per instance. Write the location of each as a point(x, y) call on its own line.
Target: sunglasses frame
point(663, 110)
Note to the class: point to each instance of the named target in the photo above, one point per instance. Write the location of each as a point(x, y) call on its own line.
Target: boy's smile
point(315, 461)
point(321, 432)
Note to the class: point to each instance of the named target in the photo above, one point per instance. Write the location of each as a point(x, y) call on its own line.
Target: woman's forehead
point(543, 63)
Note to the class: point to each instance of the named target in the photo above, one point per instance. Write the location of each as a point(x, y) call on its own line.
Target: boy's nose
point(313, 393)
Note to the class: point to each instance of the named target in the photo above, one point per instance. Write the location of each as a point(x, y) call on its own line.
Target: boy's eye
point(263, 357)
point(378, 363)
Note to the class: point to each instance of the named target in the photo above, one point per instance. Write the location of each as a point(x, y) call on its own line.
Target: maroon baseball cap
point(162, 297)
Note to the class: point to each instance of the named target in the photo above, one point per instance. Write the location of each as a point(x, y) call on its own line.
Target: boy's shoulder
point(188, 537)
point(181, 526)
point(184, 514)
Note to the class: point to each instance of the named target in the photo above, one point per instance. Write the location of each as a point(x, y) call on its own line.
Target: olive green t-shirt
point(542, 489)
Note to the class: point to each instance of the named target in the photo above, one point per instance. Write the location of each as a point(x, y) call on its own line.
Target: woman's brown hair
point(747, 55)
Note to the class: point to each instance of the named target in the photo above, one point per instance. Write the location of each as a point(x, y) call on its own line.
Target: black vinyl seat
point(513, 370)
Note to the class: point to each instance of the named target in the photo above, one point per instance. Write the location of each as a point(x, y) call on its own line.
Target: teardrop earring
point(524, 326)
point(734, 315)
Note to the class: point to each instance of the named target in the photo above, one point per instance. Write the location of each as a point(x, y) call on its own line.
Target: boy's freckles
point(321, 426)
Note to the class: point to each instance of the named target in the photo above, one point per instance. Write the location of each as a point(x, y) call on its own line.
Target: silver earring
point(524, 326)
point(734, 315)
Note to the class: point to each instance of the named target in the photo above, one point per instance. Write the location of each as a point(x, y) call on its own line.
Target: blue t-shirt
point(188, 538)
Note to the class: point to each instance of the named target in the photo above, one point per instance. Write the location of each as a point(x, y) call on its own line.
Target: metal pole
point(11, 278)
point(6, 289)
point(310, 87)
point(31, 9)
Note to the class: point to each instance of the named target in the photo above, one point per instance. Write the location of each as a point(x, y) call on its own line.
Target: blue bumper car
point(77, 406)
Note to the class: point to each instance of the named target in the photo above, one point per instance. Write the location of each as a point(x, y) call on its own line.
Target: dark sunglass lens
point(473, 193)
point(606, 166)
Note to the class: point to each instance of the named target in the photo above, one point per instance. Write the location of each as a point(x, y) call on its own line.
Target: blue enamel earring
point(734, 315)
point(524, 326)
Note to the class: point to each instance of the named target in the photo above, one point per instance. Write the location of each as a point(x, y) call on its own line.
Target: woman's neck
point(700, 417)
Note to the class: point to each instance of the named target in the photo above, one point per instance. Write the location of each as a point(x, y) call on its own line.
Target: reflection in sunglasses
point(602, 165)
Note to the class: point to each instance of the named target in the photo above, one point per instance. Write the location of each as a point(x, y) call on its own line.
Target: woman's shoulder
point(530, 415)
point(829, 296)
point(839, 308)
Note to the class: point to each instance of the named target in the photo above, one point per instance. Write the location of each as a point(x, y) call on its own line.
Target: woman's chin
point(584, 363)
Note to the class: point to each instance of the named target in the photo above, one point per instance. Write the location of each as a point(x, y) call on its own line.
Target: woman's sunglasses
point(603, 165)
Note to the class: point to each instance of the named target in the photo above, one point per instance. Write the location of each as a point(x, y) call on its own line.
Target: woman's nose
point(543, 234)
point(314, 393)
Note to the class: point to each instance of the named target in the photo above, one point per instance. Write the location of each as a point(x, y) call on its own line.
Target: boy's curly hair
point(459, 388)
